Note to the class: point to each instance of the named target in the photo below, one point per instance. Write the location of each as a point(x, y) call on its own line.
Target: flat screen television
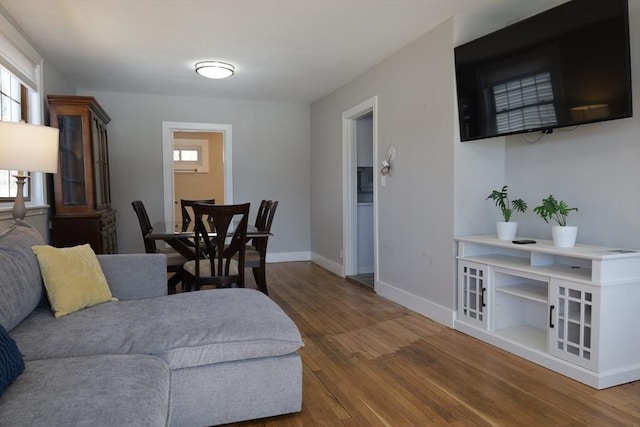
point(564, 67)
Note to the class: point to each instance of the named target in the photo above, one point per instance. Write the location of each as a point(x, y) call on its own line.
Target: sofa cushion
point(11, 361)
point(20, 281)
point(106, 390)
point(72, 277)
point(188, 329)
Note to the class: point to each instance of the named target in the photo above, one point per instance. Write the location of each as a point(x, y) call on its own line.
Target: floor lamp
point(27, 148)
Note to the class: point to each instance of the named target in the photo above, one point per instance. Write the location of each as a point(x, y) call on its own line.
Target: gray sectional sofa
point(193, 359)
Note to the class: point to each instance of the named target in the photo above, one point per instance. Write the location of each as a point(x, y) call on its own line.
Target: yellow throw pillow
point(72, 277)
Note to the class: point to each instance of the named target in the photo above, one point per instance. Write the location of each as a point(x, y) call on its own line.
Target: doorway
point(198, 168)
point(360, 244)
point(209, 141)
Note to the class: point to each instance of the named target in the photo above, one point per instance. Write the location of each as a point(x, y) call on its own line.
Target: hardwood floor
point(370, 362)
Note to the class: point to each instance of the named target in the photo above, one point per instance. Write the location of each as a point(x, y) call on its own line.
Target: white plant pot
point(564, 237)
point(506, 230)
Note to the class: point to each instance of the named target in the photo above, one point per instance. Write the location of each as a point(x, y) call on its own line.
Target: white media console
point(575, 310)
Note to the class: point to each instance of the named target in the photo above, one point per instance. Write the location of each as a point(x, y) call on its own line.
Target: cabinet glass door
point(98, 160)
point(571, 317)
point(473, 290)
point(74, 186)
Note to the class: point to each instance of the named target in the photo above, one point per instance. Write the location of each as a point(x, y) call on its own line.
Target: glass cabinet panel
point(98, 179)
point(572, 338)
point(472, 282)
point(74, 186)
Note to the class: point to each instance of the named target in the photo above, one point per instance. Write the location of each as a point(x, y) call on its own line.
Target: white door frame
point(349, 193)
point(168, 129)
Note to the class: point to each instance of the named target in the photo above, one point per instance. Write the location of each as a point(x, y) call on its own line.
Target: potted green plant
point(506, 229)
point(557, 211)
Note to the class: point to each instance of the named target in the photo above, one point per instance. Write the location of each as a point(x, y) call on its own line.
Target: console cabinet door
point(573, 322)
point(473, 293)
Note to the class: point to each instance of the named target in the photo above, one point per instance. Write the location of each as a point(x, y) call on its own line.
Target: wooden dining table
point(180, 235)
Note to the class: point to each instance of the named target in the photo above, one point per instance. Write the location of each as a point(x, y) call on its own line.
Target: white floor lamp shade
point(27, 148)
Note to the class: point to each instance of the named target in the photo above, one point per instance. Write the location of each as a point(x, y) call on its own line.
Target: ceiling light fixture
point(215, 69)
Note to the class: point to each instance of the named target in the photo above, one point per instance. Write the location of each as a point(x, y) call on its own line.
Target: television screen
point(564, 67)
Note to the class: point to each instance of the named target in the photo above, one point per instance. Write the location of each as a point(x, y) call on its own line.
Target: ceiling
point(283, 50)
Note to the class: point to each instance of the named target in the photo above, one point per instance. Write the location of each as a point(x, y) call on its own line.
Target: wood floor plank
point(370, 362)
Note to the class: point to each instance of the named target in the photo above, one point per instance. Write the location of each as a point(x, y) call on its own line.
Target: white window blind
point(524, 103)
point(18, 56)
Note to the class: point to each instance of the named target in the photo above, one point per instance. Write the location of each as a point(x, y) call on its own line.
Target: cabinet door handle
point(551, 316)
point(482, 303)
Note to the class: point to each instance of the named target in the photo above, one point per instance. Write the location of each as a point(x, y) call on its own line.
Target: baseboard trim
point(586, 376)
point(327, 264)
point(288, 256)
point(433, 311)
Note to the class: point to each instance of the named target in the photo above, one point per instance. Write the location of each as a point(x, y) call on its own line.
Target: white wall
point(414, 89)
point(595, 167)
point(270, 160)
point(439, 185)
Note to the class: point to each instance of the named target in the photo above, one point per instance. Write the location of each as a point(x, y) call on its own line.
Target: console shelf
point(528, 336)
point(571, 310)
point(526, 291)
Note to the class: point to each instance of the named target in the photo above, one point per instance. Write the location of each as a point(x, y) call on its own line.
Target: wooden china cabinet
point(83, 211)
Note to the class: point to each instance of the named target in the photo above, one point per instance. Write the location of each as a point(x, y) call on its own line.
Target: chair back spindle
point(145, 226)
point(224, 265)
point(188, 203)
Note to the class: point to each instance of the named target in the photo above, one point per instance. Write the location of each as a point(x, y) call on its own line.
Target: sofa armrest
point(135, 276)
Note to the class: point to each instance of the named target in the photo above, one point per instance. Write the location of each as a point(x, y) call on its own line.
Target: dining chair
point(256, 251)
point(224, 264)
point(188, 203)
point(175, 260)
point(186, 216)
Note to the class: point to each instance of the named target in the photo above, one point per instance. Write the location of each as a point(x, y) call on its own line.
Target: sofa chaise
point(149, 359)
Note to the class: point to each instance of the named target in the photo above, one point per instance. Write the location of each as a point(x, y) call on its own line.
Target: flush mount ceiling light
point(215, 69)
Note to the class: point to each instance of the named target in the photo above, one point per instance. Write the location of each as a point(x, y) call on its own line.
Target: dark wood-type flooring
point(370, 362)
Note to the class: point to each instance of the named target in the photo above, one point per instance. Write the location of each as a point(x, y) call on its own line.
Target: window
point(13, 107)
point(191, 155)
point(20, 98)
point(186, 155)
point(524, 103)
